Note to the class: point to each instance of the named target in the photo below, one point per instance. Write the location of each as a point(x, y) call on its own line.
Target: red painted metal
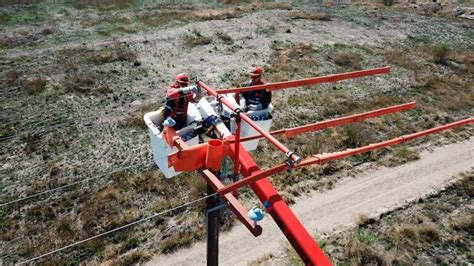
point(293, 230)
point(215, 183)
point(310, 81)
point(234, 204)
point(294, 157)
point(325, 157)
point(291, 227)
point(290, 132)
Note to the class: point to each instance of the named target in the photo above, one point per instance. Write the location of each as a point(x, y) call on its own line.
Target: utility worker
point(255, 100)
point(178, 96)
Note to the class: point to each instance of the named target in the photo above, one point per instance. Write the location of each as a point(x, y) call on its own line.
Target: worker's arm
point(267, 99)
point(174, 93)
point(169, 108)
point(242, 101)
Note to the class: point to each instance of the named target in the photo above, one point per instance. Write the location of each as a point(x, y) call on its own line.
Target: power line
point(66, 186)
point(57, 126)
point(73, 184)
point(117, 229)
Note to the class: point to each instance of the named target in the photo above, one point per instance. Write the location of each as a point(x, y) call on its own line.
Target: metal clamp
point(290, 162)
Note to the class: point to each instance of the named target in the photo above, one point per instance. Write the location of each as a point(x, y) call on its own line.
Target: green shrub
point(440, 52)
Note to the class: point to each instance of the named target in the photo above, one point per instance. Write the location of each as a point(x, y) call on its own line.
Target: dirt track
point(372, 193)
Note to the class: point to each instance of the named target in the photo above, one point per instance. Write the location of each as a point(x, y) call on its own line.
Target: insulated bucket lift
point(180, 151)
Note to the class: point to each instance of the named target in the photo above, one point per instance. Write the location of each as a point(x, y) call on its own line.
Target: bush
point(133, 258)
point(225, 38)
point(118, 52)
point(440, 52)
point(80, 82)
point(34, 86)
point(311, 16)
point(346, 59)
point(11, 77)
point(47, 31)
point(196, 39)
point(387, 2)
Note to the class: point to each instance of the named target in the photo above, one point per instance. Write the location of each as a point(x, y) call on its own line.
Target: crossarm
point(345, 120)
point(326, 157)
point(309, 81)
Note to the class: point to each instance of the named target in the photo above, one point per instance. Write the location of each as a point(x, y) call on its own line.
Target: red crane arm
point(310, 81)
point(290, 132)
point(286, 220)
point(326, 157)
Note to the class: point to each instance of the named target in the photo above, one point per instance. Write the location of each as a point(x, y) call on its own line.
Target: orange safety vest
point(177, 107)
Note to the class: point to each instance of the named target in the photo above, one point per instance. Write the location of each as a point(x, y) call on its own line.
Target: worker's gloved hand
point(188, 90)
point(198, 94)
point(169, 122)
point(255, 107)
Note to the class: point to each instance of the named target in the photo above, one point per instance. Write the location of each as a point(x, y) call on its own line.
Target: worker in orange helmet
point(178, 96)
point(255, 100)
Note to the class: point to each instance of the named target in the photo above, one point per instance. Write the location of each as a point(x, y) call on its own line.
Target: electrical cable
point(73, 184)
point(54, 126)
point(117, 229)
point(66, 186)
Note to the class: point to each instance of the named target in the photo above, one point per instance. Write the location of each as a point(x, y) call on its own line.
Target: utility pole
point(212, 228)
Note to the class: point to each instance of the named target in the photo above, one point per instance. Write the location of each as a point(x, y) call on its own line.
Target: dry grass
point(440, 53)
point(182, 239)
point(225, 38)
point(196, 39)
point(364, 220)
point(189, 14)
point(361, 254)
point(136, 118)
point(157, 19)
point(47, 31)
point(401, 58)
point(289, 60)
point(346, 59)
point(73, 59)
point(11, 77)
point(216, 14)
point(311, 16)
point(357, 135)
point(35, 85)
point(118, 52)
point(400, 155)
point(80, 82)
point(102, 4)
point(419, 234)
point(136, 257)
point(102, 212)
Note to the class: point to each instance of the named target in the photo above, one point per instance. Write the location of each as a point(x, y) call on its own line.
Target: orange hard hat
point(182, 78)
point(256, 72)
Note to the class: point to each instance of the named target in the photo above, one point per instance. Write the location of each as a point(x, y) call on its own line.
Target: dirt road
point(372, 193)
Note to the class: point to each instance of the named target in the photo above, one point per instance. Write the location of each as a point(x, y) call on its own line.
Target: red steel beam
point(234, 204)
point(293, 156)
point(216, 184)
point(325, 157)
point(286, 220)
point(310, 81)
point(345, 120)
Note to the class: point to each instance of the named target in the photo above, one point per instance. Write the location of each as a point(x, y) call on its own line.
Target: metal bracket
point(290, 162)
point(217, 207)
